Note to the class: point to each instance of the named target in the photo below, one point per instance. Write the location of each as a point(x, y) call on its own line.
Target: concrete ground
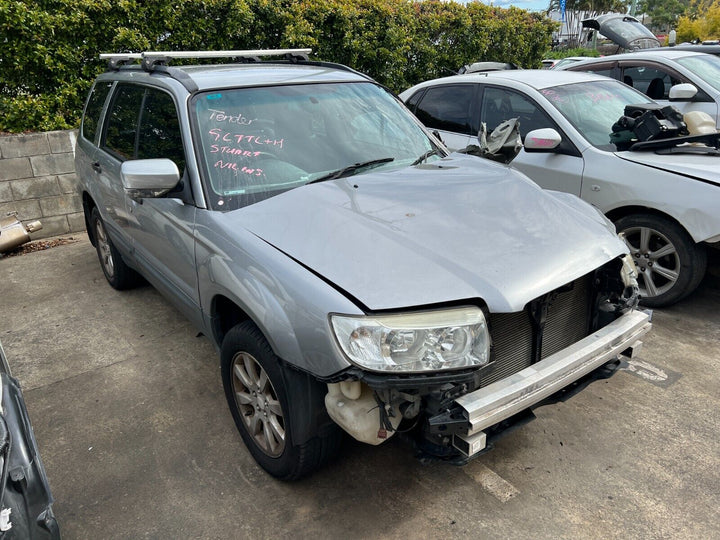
point(137, 440)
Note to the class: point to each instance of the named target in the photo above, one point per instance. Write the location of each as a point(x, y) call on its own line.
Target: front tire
point(670, 265)
point(256, 388)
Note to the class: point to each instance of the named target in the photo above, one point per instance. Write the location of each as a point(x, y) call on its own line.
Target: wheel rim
point(103, 248)
point(656, 260)
point(258, 404)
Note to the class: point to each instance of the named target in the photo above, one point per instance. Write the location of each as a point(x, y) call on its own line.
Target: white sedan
point(666, 203)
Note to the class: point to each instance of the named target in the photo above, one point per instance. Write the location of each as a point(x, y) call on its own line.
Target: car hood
point(457, 229)
point(703, 167)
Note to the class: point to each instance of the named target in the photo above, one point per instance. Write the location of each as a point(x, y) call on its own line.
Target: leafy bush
point(49, 51)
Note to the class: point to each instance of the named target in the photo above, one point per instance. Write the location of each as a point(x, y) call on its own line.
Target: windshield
point(704, 66)
point(593, 107)
point(258, 142)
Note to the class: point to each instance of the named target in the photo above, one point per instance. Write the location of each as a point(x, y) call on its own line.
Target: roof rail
point(150, 59)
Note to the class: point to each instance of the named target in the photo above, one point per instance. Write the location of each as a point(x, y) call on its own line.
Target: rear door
point(86, 149)
point(117, 143)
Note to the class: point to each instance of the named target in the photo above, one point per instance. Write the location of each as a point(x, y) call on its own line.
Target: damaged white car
point(653, 172)
point(353, 276)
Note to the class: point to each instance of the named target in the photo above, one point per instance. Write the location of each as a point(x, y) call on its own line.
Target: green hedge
point(49, 50)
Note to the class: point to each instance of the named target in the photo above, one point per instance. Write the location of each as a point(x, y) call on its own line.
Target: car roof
point(535, 78)
point(647, 54)
point(223, 76)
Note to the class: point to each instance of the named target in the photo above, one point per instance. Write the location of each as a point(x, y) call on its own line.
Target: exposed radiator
point(568, 321)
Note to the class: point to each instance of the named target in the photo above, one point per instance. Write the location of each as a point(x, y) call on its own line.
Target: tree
point(701, 21)
point(663, 13)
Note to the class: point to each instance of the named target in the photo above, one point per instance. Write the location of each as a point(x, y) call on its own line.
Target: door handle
point(96, 166)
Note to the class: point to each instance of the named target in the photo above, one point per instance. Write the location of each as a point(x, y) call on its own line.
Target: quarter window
point(448, 108)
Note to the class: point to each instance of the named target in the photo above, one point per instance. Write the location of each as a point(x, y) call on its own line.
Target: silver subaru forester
point(354, 276)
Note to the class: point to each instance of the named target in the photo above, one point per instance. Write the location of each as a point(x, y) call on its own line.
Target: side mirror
point(148, 177)
point(683, 92)
point(542, 140)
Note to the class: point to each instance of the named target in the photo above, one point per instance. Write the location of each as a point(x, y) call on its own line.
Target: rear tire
point(118, 274)
point(670, 265)
point(256, 387)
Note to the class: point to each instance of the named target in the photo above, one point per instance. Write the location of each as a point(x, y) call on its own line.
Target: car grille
point(568, 321)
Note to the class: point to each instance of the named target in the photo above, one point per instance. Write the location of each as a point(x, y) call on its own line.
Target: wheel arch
point(624, 211)
point(226, 312)
point(224, 315)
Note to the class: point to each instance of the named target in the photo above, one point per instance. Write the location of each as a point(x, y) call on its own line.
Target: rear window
point(93, 108)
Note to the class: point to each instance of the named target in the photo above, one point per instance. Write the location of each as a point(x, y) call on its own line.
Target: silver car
point(664, 201)
point(654, 72)
point(353, 276)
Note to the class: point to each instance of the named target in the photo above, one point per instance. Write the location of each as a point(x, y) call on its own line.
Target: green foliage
point(663, 13)
point(701, 21)
point(49, 50)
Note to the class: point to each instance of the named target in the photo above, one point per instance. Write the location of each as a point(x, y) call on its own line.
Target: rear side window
point(94, 106)
point(122, 121)
point(447, 108)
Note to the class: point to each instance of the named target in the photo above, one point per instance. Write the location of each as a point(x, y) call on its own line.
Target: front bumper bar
point(487, 406)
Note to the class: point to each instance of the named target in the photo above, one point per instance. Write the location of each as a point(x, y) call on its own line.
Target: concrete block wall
point(37, 180)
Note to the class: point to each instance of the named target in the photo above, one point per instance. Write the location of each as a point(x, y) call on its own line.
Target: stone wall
point(37, 180)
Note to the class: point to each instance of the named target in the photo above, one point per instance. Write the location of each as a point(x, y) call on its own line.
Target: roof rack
point(150, 59)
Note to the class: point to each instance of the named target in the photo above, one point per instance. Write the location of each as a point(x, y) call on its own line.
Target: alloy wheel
point(103, 247)
point(258, 404)
point(656, 260)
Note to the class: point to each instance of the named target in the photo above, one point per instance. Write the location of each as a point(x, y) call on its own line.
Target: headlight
point(425, 341)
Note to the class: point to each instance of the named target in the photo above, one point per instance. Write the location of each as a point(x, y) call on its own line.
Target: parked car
point(25, 498)
point(624, 30)
point(665, 204)
point(350, 273)
point(656, 71)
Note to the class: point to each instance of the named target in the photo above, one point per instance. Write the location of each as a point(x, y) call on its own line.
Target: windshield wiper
point(351, 169)
point(426, 155)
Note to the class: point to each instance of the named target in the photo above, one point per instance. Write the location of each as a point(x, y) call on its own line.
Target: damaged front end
point(547, 352)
